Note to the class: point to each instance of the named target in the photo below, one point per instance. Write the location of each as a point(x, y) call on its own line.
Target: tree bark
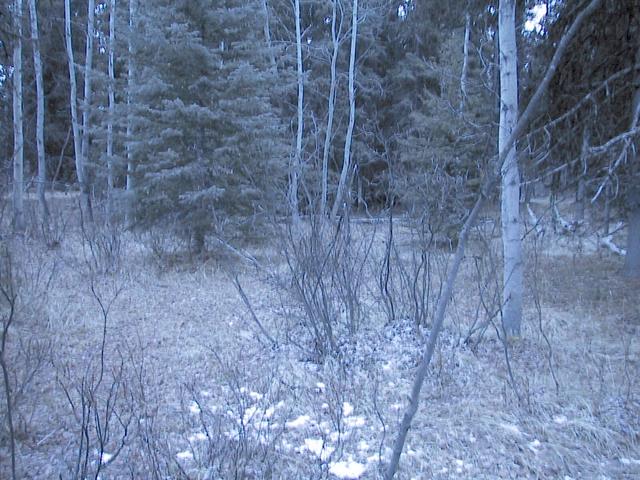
point(332, 100)
point(490, 182)
point(37, 68)
point(511, 223)
point(346, 161)
point(267, 35)
point(580, 191)
point(112, 105)
point(86, 111)
point(294, 170)
point(632, 258)
point(131, 78)
point(465, 62)
point(18, 134)
point(73, 103)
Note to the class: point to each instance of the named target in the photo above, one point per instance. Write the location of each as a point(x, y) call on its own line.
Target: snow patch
point(301, 421)
point(347, 409)
point(256, 396)
point(560, 419)
point(184, 455)
point(194, 408)
point(354, 422)
point(347, 469)
point(511, 428)
point(318, 448)
point(197, 437)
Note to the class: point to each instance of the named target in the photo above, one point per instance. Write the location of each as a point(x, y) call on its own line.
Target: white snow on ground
point(106, 457)
point(533, 446)
point(347, 469)
point(347, 409)
point(560, 419)
point(320, 386)
point(256, 396)
point(629, 461)
point(301, 421)
point(511, 428)
point(248, 415)
point(197, 437)
point(268, 413)
point(194, 408)
point(185, 455)
point(318, 448)
point(354, 422)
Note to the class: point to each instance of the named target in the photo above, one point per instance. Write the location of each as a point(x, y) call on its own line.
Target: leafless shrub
point(99, 398)
point(327, 264)
point(25, 278)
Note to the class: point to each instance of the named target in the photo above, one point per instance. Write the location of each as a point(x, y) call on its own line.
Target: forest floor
point(126, 364)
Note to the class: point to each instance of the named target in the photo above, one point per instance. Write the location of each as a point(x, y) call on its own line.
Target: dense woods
point(380, 172)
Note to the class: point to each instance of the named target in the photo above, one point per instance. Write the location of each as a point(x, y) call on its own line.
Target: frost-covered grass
point(203, 395)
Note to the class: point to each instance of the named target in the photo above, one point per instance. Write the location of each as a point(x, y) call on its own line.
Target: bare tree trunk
point(112, 104)
point(490, 182)
point(632, 258)
point(37, 69)
point(18, 135)
point(465, 62)
point(511, 223)
point(580, 191)
point(346, 161)
point(294, 170)
point(73, 103)
point(332, 100)
point(267, 35)
point(131, 74)
point(86, 111)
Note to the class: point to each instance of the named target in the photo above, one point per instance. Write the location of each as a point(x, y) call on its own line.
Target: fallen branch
point(608, 243)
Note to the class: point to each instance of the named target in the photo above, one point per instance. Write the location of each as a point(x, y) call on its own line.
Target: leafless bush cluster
point(327, 263)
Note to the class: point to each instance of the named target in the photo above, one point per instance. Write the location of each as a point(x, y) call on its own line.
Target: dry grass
point(185, 336)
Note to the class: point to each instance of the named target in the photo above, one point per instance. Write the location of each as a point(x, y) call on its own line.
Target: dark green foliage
point(212, 155)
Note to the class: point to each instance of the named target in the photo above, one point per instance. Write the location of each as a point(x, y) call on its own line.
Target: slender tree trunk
point(112, 104)
point(489, 184)
point(297, 159)
point(37, 69)
point(18, 135)
point(511, 223)
point(632, 258)
point(607, 208)
point(465, 62)
point(267, 35)
point(580, 191)
point(73, 102)
point(131, 78)
point(332, 100)
point(86, 111)
point(346, 162)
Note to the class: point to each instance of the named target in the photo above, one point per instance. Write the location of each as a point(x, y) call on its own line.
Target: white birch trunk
point(511, 223)
point(632, 258)
point(37, 69)
point(131, 72)
point(581, 188)
point(73, 99)
point(112, 104)
point(297, 159)
point(465, 62)
point(18, 135)
point(267, 35)
point(346, 162)
point(332, 100)
point(86, 111)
